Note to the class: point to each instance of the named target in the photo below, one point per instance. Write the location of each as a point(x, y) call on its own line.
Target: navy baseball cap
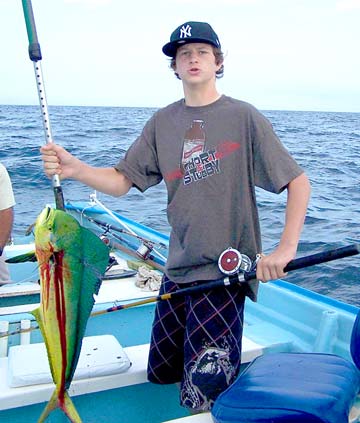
point(191, 32)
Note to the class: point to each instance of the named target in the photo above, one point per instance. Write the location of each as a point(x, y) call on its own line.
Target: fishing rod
point(233, 279)
point(241, 277)
point(35, 57)
point(148, 260)
point(109, 227)
point(146, 248)
point(143, 252)
point(17, 332)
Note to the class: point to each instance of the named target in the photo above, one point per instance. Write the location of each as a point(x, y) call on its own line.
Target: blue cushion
point(290, 388)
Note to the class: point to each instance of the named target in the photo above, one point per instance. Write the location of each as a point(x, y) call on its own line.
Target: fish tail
point(69, 409)
point(51, 405)
point(66, 405)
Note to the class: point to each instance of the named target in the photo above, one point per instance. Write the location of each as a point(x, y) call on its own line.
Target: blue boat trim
point(316, 296)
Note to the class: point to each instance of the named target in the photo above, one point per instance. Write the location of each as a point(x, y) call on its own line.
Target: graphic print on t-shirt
point(194, 143)
point(197, 163)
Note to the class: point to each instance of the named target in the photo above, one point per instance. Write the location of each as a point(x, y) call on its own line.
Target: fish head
point(55, 230)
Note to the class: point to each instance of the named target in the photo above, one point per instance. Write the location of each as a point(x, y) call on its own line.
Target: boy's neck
point(200, 97)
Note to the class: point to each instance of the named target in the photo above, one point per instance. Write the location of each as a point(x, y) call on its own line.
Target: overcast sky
point(280, 54)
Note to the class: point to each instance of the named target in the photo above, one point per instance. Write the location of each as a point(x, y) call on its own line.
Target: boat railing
point(25, 335)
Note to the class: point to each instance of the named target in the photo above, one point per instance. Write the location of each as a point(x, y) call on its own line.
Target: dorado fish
point(72, 261)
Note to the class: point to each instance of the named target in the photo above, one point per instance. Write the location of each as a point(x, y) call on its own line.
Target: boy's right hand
point(58, 161)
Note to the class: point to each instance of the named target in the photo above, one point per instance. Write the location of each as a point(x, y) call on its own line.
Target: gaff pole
point(35, 57)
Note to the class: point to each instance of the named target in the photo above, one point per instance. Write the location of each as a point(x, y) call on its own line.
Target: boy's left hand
point(272, 266)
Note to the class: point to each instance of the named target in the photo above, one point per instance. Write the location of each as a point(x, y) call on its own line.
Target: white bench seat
point(26, 395)
point(100, 356)
point(11, 397)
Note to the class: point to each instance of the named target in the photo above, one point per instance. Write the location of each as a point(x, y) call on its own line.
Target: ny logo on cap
point(185, 31)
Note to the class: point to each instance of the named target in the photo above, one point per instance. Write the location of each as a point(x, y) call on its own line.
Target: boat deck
point(322, 326)
point(14, 372)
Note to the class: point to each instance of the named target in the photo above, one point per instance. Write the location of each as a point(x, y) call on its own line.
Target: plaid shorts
point(196, 340)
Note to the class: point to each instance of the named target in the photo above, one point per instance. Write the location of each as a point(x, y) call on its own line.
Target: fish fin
point(22, 258)
point(50, 406)
point(69, 409)
point(38, 316)
point(30, 229)
point(66, 405)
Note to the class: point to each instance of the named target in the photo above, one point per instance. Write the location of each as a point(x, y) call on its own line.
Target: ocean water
point(325, 144)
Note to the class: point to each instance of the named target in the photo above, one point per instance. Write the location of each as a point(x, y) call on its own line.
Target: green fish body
point(72, 261)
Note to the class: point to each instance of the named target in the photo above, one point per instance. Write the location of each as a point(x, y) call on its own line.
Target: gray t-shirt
point(210, 181)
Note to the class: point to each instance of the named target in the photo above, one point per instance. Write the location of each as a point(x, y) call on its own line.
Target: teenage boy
point(212, 151)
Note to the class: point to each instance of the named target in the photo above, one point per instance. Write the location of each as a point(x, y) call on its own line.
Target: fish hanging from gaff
point(72, 261)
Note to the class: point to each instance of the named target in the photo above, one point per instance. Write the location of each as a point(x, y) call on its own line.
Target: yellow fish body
point(72, 261)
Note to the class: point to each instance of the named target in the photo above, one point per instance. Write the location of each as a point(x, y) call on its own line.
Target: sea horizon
point(159, 107)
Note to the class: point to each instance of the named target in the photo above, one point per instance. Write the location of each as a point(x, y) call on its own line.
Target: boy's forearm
point(106, 180)
point(298, 198)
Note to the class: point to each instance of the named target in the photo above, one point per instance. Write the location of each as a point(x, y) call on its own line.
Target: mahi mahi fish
point(72, 261)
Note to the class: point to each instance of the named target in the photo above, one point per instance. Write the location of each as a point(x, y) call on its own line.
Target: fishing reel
point(105, 239)
point(144, 250)
point(231, 261)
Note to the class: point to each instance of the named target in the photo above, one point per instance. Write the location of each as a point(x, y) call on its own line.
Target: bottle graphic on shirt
point(194, 143)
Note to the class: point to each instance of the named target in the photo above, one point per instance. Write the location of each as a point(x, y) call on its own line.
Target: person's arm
point(59, 161)
point(272, 266)
point(6, 219)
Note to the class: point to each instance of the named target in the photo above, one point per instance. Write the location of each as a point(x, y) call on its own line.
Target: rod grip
point(34, 46)
point(323, 257)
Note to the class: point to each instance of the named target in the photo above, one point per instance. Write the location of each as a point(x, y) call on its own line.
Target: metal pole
point(35, 57)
